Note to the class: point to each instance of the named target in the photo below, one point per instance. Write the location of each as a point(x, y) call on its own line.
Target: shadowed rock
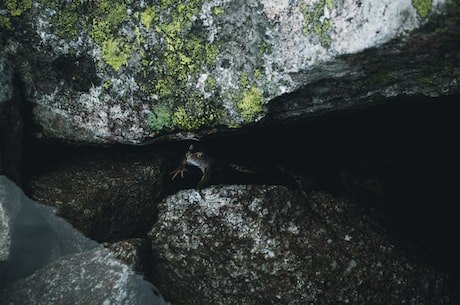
point(268, 245)
point(47, 261)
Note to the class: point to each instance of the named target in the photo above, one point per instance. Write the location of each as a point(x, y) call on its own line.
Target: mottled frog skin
point(198, 159)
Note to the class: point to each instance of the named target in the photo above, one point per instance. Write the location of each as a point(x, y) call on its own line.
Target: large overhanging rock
point(113, 70)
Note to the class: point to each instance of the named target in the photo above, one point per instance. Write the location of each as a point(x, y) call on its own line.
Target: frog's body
point(198, 159)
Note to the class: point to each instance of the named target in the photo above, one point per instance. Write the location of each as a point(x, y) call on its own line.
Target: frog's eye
point(199, 154)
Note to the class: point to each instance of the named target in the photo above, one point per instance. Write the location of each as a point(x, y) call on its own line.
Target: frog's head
point(198, 158)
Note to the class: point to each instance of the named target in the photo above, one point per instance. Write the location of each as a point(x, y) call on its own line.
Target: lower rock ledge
point(241, 244)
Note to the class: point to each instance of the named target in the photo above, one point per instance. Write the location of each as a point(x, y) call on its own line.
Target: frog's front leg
point(180, 170)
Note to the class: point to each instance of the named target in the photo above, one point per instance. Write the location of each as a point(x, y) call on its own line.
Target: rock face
point(133, 252)
point(9, 208)
point(11, 123)
point(107, 197)
point(47, 260)
point(96, 277)
point(268, 245)
point(123, 71)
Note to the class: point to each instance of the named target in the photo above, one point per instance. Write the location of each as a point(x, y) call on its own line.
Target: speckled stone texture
point(107, 197)
point(269, 245)
point(50, 262)
point(93, 277)
point(122, 71)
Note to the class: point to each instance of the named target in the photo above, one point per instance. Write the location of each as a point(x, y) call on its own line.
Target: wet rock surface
point(241, 244)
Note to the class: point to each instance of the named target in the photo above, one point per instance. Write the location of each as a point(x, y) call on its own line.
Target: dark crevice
point(399, 161)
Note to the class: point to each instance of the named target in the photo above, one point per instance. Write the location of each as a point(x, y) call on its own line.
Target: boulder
point(109, 195)
point(45, 260)
point(11, 122)
point(90, 277)
point(113, 71)
point(10, 204)
point(242, 244)
point(133, 252)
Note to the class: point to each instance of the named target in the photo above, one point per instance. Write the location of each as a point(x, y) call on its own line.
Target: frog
point(196, 158)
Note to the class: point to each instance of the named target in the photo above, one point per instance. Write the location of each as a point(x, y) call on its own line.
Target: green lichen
point(17, 7)
point(148, 16)
point(67, 21)
point(211, 83)
point(250, 104)
point(107, 85)
point(116, 53)
point(179, 57)
point(258, 75)
point(423, 7)
point(116, 49)
point(217, 10)
point(181, 54)
point(5, 23)
point(160, 117)
point(195, 113)
point(101, 19)
point(244, 81)
point(314, 23)
point(14, 8)
point(69, 18)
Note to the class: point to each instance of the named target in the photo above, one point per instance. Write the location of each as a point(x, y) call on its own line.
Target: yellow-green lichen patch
point(17, 7)
point(116, 53)
point(101, 19)
point(181, 55)
point(148, 16)
point(14, 8)
point(195, 113)
point(217, 10)
point(250, 104)
point(315, 22)
point(5, 23)
point(115, 49)
point(69, 18)
point(423, 7)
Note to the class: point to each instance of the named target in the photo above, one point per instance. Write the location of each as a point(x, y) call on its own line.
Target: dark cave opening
point(399, 160)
